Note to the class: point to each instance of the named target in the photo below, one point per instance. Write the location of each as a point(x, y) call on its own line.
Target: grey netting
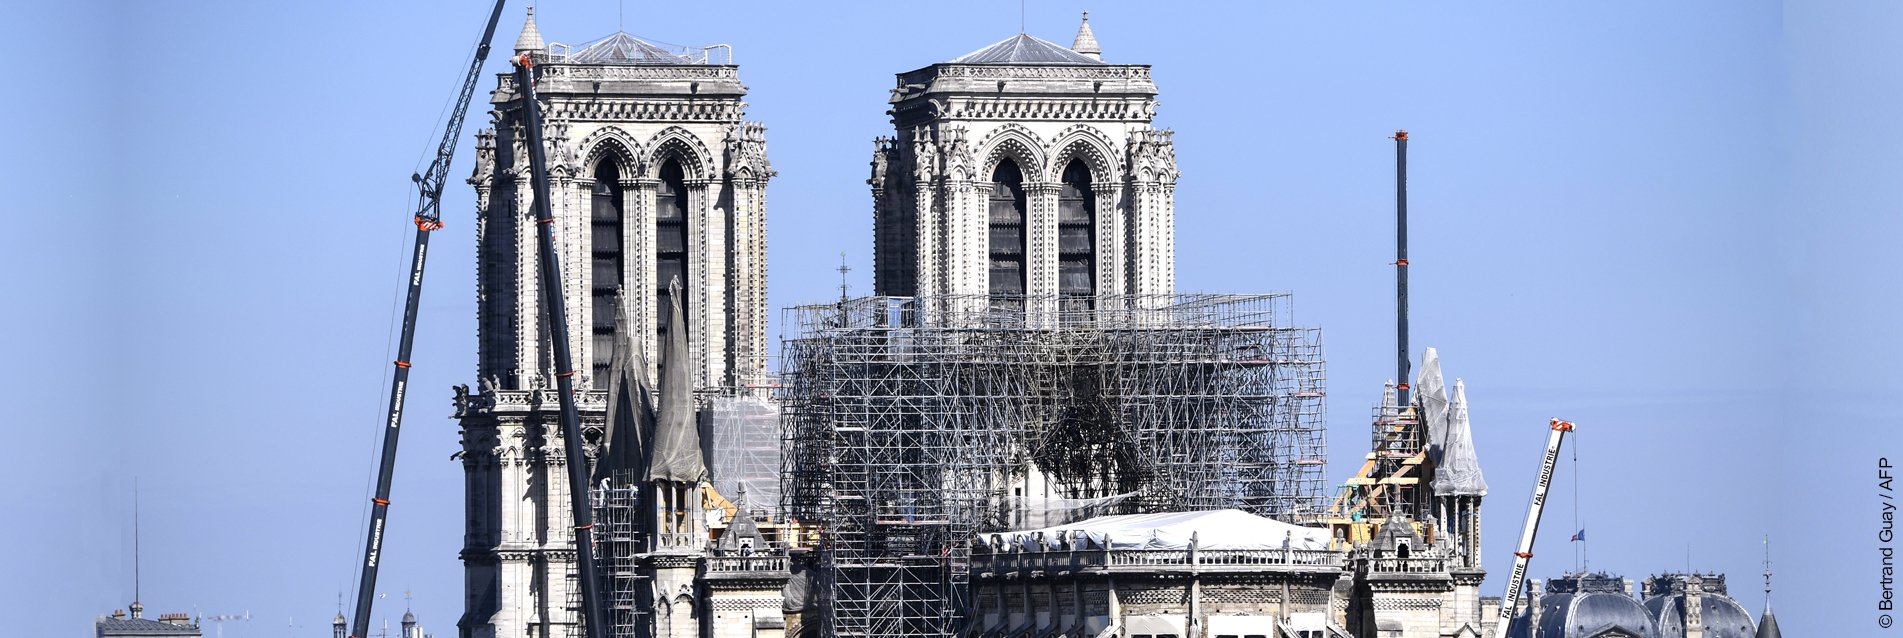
point(630, 419)
point(1459, 470)
point(676, 453)
point(746, 450)
point(1431, 394)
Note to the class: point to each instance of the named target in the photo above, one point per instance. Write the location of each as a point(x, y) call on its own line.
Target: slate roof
point(622, 48)
point(1025, 49)
point(142, 627)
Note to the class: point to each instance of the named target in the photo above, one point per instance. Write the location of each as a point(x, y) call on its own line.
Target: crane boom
point(428, 218)
point(1522, 557)
point(554, 309)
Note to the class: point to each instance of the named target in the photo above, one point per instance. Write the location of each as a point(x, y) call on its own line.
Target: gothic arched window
point(670, 242)
point(607, 266)
point(1007, 229)
point(1076, 234)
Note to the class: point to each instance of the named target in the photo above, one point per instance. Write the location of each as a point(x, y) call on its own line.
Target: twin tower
point(1023, 172)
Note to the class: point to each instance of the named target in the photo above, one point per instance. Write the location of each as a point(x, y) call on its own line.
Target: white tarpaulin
point(1213, 529)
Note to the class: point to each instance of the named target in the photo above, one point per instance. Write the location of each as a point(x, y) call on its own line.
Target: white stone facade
point(955, 122)
point(638, 116)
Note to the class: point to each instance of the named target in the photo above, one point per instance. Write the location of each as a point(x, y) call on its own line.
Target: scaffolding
point(745, 457)
point(912, 424)
point(619, 547)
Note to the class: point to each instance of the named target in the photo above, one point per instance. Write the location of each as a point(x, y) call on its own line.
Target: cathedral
point(1025, 431)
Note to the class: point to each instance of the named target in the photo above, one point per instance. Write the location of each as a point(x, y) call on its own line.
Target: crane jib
point(429, 201)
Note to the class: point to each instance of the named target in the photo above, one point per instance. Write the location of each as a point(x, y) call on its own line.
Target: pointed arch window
point(670, 243)
point(1007, 230)
point(1076, 237)
point(608, 268)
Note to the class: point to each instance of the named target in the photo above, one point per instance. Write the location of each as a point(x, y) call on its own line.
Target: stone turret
point(1086, 42)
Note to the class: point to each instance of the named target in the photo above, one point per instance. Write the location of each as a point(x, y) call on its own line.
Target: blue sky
point(1669, 222)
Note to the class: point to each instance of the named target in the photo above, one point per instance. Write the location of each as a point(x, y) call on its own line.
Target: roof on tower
point(622, 48)
point(1025, 49)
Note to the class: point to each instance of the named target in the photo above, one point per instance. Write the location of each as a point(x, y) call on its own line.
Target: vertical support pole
point(1400, 267)
point(553, 303)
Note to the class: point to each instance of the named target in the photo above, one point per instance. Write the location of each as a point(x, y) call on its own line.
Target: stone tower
point(1025, 169)
point(658, 187)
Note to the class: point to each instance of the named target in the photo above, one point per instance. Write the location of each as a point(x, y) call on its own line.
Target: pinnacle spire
point(1086, 42)
point(531, 38)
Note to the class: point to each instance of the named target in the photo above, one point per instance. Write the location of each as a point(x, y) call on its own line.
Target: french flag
point(1578, 536)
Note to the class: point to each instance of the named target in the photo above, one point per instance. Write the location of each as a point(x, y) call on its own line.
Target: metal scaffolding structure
point(912, 424)
point(618, 552)
point(745, 454)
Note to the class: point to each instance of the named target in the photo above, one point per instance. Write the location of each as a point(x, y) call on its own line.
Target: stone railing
point(1392, 565)
point(730, 564)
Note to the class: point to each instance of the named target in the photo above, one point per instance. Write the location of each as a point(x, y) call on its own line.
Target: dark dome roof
point(1722, 616)
point(1587, 606)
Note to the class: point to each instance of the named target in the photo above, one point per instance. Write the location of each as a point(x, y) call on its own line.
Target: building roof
point(622, 48)
point(110, 626)
point(1025, 49)
point(1582, 606)
point(1721, 616)
point(1767, 626)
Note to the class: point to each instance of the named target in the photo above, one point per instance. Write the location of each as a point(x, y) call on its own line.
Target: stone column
point(1040, 263)
point(638, 194)
point(706, 274)
point(1109, 239)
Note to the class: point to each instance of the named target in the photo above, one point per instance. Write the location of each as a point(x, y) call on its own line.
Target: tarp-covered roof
point(1025, 49)
point(1213, 529)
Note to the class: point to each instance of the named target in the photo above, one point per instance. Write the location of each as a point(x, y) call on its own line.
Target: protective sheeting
point(1431, 389)
point(1049, 512)
point(1459, 471)
point(745, 457)
point(1213, 529)
point(676, 455)
point(630, 421)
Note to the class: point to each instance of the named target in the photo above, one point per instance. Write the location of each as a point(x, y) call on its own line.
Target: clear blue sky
point(1671, 222)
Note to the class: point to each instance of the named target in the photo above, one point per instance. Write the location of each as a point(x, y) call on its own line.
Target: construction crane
point(221, 619)
point(1524, 555)
point(555, 311)
point(428, 218)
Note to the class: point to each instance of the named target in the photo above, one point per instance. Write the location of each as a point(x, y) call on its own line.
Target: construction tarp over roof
point(1213, 529)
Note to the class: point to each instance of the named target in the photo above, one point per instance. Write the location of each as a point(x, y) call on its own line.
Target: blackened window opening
point(1076, 236)
point(670, 246)
point(608, 268)
point(1007, 230)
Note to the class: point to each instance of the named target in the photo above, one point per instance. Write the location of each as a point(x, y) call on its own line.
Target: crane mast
point(428, 218)
point(1523, 556)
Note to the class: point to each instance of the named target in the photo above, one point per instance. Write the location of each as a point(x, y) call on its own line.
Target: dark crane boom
point(429, 200)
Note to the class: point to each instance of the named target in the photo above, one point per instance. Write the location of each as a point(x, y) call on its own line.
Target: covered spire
point(630, 421)
point(1431, 394)
point(1458, 473)
point(676, 453)
point(531, 38)
point(1086, 42)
